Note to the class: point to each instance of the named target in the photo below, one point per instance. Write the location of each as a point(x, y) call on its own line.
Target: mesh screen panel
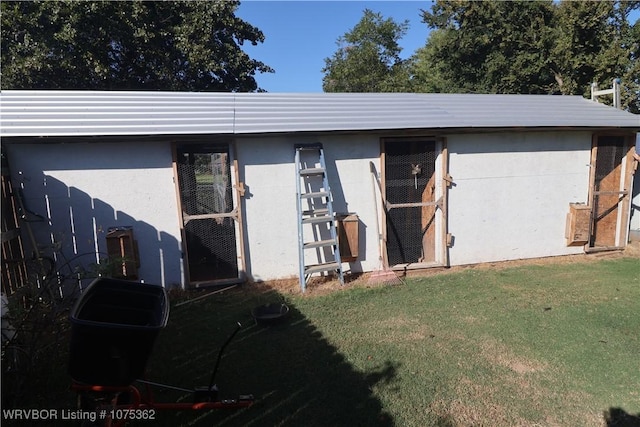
point(609, 157)
point(211, 247)
point(205, 188)
point(409, 166)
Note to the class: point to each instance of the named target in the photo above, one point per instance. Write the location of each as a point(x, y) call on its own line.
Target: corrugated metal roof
point(66, 113)
point(535, 111)
point(63, 113)
point(257, 113)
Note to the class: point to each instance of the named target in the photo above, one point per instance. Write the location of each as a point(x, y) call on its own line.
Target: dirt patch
point(631, 251)
point(323, 285)
point(475, 405)
point(484, 404)
point(498, 354)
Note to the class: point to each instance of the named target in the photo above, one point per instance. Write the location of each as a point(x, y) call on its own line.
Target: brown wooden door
point(610, 183)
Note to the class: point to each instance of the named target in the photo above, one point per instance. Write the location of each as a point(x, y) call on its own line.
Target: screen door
point(610, 185)
point(208, 213)
point(410, 193)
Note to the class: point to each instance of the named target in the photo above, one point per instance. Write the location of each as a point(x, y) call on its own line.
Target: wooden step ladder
point(316, 218)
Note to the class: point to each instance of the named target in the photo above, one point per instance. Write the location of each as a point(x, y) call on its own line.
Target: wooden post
point(239, 196)
point(447, 180)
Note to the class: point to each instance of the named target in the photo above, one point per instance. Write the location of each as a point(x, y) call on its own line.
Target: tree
point(631, 77)
point(100, 45)
point(540, 47)
point(596, 43)
point(489, 47)
point(368, 58)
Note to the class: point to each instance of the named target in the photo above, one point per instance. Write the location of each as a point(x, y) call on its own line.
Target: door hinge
point(448, 179)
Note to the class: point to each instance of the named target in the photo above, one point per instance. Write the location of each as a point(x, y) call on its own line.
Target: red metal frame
point(140, 401)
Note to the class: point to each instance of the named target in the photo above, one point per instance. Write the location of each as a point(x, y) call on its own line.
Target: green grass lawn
point(534, 345)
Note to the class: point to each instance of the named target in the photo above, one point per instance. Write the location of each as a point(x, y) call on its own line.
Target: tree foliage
point(368, 58)
point(490, 47)
point(494, 46)
point(541, 47)
point(596, 43)
point(101, 45)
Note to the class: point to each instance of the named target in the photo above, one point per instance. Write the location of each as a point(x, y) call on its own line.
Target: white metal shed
point(501, 176)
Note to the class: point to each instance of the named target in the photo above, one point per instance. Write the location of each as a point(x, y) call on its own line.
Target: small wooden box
point(347, 227)
point(123, 251)
point(578, 226)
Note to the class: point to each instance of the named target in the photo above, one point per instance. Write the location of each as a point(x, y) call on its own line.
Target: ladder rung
point(320, 244)
point(312, 171)
point(307, 147)
point(317, 219)
point(322, 211)
point(328, 266)
point(316, 195)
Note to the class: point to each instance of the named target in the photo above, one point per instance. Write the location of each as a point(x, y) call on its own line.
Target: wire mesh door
point(208, 213)
point(608, 192)
point(410, 193)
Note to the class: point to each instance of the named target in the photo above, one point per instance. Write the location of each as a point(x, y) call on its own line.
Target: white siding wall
point(512, 193)
point(509, 201)
point(86, 188)
point(268, 172)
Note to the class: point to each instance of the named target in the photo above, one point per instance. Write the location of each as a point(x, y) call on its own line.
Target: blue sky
point(299, 35)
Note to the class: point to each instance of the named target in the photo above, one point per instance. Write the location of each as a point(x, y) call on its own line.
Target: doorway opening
point(415, 202)
point(209, 215)
point(611, 177)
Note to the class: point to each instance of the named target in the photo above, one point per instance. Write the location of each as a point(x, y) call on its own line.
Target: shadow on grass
point(617, 417)
point(296, 376)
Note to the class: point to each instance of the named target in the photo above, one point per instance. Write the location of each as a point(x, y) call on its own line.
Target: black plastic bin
point(114, 325)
